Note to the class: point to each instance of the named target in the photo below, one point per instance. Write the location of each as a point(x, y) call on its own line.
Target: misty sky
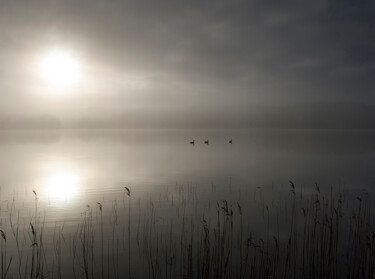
point(214, 57)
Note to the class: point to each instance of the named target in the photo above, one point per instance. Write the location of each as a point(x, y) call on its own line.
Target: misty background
point(186, 64)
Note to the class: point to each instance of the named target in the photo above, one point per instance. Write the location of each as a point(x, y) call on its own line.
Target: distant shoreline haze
point(310, 116)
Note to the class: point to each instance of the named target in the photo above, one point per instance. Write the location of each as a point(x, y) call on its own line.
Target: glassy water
point(86, 161)
point(75, 173)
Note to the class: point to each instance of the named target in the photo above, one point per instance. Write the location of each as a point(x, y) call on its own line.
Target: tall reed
point(181, 234)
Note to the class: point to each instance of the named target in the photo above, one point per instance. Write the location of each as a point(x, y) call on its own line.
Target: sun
point(59, 68)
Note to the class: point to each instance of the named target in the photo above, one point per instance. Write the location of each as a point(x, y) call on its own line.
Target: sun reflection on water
point(62, 185)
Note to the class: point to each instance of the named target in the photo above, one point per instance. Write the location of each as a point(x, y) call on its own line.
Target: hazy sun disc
point(60, 68)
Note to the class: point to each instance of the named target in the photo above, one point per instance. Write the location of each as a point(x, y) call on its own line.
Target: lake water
point(99, 161)
point(72, 171)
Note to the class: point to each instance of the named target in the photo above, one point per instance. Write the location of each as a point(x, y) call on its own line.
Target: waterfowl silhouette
point(192, 142)
point(231, 141)
point(207, 142)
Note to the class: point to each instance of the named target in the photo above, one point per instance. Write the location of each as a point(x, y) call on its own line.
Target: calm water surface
point(73, 170)
point(68, 164)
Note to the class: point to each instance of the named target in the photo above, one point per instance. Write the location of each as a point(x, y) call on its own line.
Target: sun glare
point(60, 69)
point(62, 185)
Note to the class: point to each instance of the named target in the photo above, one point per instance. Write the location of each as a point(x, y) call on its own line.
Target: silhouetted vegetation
point(179, 235)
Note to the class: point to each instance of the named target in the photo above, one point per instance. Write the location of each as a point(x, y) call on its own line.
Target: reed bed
point(283, 232)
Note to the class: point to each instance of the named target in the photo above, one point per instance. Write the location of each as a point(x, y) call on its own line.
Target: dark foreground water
point(193, 211)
